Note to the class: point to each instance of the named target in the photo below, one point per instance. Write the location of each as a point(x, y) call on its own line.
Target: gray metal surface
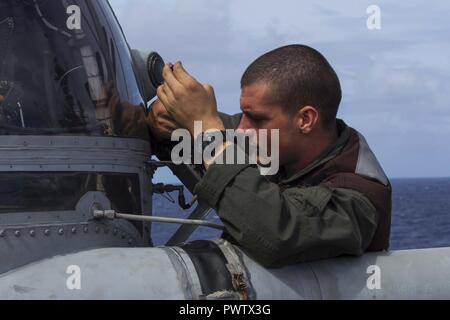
point(20, 245)
point(72, 153)
point(186, 272)
point(167, 273)
point(29, 237)
point(105, 274)
point(404, 275)
point(26, 237)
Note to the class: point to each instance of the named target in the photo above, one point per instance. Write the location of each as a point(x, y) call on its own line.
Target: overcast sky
point(396, 80)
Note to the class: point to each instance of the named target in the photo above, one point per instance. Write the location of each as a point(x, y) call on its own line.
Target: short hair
point(298, 76)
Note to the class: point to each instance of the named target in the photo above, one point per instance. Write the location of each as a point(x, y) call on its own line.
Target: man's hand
point(160, 122)
point(1, 99)
point(187, 100)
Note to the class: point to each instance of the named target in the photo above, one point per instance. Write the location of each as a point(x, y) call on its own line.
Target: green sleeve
point(278, 227)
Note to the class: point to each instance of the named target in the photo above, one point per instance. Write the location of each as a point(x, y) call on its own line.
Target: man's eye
point(258, 119)
point(254, 118)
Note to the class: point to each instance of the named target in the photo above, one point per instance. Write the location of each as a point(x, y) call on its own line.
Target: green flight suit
point(279, 223)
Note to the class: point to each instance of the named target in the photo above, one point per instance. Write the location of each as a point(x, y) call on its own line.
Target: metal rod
point(109, 214)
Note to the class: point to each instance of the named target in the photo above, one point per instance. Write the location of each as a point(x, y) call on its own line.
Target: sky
point(396, 80)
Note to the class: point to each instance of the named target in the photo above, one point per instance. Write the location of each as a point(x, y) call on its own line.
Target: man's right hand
point(160, 122)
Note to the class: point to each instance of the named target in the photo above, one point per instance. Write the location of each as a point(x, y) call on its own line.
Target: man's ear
point(306, 119)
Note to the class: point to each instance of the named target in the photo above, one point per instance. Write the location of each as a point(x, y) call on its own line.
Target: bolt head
point(32, 233)
point(17, 233)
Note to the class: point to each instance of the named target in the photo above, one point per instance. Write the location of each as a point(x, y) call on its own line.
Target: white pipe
point(168, 273)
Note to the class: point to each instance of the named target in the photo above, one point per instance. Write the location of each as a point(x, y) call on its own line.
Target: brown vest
point(357, 168)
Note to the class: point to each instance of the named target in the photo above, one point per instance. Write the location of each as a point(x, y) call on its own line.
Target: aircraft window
point(44, 191)
point(118, 41)
point(54, 80)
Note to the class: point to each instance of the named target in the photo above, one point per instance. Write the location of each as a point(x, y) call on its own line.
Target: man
point(331, 197)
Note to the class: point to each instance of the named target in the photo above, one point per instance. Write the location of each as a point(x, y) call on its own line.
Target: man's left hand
point(188, 101)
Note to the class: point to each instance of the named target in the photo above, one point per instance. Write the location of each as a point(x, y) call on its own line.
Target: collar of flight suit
point(328, 154)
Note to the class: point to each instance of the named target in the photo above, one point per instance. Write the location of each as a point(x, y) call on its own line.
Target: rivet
point(130, 241)
point(32, 233)
point(97, 229)
point(2, 233)
point(47, 232)
point(17, 233)
point(86, 230)
point(74, 230)
point(115, 232)
point(60, 232)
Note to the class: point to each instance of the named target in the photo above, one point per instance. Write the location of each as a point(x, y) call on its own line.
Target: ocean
point(420, 215)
